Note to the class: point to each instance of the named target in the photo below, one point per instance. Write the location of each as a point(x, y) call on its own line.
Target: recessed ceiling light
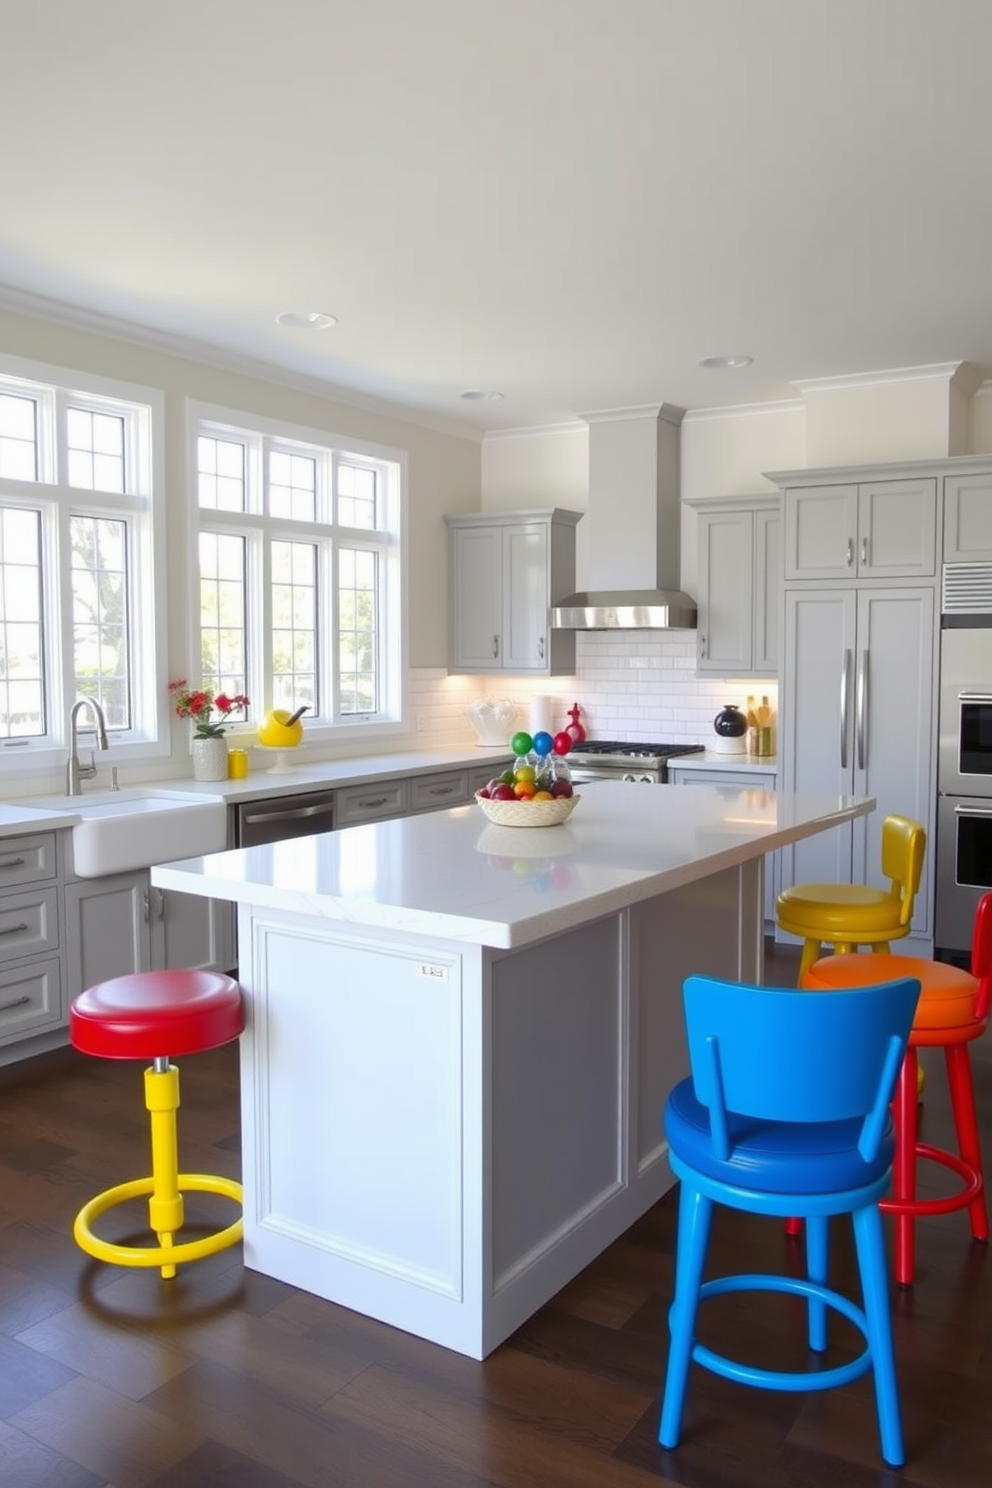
point(726, 361)
point(306, 320)
point(479, 395)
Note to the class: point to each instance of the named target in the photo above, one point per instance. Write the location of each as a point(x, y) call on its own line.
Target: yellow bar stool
point(846, 916)
point(140, 1016)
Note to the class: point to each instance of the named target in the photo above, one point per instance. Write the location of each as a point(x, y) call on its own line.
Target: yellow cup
point(237, 764)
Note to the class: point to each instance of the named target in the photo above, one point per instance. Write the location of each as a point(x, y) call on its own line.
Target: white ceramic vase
point(209, 759)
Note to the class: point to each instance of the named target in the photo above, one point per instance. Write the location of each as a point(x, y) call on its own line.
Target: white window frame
point(144, 511)
point(260, 530)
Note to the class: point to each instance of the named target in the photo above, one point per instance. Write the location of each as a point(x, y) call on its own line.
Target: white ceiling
point(570, 201)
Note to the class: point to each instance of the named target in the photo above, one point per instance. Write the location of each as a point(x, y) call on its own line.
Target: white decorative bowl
point(529, 813)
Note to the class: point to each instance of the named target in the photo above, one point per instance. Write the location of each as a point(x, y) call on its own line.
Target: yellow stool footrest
point(165, 1256)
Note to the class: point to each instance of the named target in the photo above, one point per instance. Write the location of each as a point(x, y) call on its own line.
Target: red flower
point(199, 705)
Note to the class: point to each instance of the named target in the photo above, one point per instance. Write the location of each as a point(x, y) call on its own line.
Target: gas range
point(611, 759)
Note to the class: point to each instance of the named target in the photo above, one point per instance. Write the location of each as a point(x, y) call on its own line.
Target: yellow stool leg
point(165, 1205)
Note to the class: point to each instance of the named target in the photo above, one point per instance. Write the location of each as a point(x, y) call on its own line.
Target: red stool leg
point(962, 1087)
point(904, 1113)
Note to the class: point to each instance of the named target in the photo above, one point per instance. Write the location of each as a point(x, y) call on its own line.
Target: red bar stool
point(137, 1017)
point(953, 1011)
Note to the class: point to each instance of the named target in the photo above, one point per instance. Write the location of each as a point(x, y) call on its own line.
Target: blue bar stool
point(786, 1112)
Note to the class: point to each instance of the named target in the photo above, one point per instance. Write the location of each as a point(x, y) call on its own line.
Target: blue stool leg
point(870, 1243)
point(695, 1215)
point(816, 1270)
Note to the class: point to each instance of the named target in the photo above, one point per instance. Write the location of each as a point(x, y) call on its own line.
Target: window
point(299, 570)
point(78, 571)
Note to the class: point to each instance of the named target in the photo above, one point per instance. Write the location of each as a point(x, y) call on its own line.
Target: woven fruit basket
point(529, 813)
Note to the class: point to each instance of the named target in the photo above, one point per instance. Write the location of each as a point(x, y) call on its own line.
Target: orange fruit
point(524, 789)
point(542, 795)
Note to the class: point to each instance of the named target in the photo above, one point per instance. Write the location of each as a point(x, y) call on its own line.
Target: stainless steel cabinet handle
point(14, 929)
point(160, 901)
point(146, 908)
point(11, 862)
point(495, 645)
point(441, 790)
point(702, 647)
point(850, 551)
point(540, 647)
point(861, 705)
point(845, 676)
point(864, 552)
point(17, 1002)
point(374, 801)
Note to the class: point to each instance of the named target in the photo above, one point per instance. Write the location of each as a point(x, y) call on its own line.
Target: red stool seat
point(952, 1011)
point(152, 1013)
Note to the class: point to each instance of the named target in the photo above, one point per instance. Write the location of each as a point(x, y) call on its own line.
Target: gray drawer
point(25, 860)
point(30, 1000)
point(373, 802)
point(435, 792)
point(29, 924)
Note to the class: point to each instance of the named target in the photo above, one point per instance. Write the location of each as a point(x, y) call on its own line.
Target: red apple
point(561, 788)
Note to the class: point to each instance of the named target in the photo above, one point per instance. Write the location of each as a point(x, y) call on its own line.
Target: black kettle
point(730, 723)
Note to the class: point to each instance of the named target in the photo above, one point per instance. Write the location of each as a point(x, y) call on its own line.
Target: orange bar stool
point(953, 1011)
point(137, 1017)
point(850, 915)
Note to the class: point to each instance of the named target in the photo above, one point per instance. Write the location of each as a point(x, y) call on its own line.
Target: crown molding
point(41, 307)
point(958, 372)
point(746, 410)
point(670, 412)
point(535, 431)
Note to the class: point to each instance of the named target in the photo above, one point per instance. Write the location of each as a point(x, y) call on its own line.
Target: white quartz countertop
point(264, 781)
point(456, 875)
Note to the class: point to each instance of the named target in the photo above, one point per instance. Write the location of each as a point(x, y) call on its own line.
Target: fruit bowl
point(529, 813)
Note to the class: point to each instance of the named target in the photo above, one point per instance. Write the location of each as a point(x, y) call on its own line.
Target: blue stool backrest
point(781, 1055)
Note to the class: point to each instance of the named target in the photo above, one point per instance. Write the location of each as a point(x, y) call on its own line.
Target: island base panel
point(441, 1136)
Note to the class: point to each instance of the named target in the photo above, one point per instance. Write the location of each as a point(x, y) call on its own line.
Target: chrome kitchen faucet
point(75, 773)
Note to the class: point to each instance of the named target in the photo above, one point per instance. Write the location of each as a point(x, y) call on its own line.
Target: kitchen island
point(461, 1036)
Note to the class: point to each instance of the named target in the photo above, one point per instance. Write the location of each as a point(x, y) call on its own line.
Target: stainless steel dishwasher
point(280, 817)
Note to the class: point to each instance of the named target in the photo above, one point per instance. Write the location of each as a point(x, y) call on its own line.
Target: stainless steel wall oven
point(964, 778)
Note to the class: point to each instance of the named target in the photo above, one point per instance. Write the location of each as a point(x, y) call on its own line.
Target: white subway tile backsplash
point(630, 685)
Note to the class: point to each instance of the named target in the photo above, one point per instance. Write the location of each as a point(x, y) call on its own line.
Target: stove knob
point(628, 776)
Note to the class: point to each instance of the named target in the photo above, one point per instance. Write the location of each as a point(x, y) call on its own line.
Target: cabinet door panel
point(896, 654)
point(897, 529)
point(767, 590)
point(726, 581)
point(816, 754)
point(968, 518)
point(476, 598)
point(107, 928)
point(188, 931)
point(525, 578)
point(821, 527)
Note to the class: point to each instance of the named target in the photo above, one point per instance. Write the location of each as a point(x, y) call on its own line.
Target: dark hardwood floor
point(112, 1378)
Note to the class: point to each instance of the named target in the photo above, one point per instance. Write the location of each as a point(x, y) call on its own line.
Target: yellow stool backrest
point(903, 845)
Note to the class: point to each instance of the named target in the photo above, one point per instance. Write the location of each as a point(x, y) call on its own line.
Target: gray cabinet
point(739, 586)
point(968, 517)
point(31, 982)
point(121, 924)
point(506, 571)
point(861, 529)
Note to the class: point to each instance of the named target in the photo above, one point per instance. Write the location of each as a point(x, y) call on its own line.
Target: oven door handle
point(975, 697)
point(973, 811)
point(845, 678)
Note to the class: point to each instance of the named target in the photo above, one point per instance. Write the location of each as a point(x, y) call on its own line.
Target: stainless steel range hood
point(632, 526)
